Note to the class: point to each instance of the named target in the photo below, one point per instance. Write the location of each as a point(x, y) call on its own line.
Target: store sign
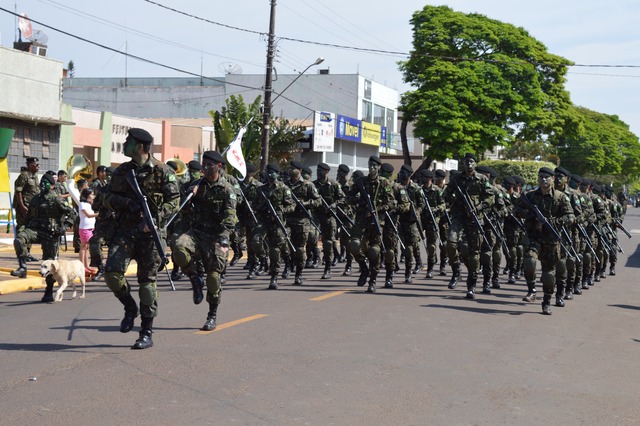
point(359, 131)
point(324, 131)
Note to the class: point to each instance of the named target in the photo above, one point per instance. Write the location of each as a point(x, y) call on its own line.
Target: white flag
point(235, 156)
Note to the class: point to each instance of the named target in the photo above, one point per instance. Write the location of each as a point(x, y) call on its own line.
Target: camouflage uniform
point(211, 219)
point(347, 219)
point(409, 224)
point(542, 245)
point(129, 242)
point(26, 186)
point(431, 220)
point(444, 222)
point(568, 266)
point(332, 194)
point(366, 240)
point(391, 238)
point(105, 226)
point(464, 238)
point(254, 233)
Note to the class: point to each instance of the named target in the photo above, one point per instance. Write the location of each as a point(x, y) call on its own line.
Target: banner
point(234, 154)
point(324, 131)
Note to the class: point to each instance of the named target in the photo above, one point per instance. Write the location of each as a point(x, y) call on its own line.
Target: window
point(367, 111)
point(378, 115)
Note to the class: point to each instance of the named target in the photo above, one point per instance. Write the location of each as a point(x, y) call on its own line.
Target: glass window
point(378, 115)
point(367, 111)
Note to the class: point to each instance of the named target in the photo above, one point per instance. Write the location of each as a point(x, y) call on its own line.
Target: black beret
point(51, 172)
point(562, 171)
point(407, 168)
point(375, 159)
point(343, 168)
point(194, 165)
point(49, 178)
point(251, 168)
point(307, 170)
point(324, 166)
point(576, 178)
point(32, 160)
point(597, 188)
point(470, 155)
point(494, 172)
point(440, 173)
point(387, 168)
point(545, 170)
point(357, 175)
point(173, 165)
point(272, 167)
point(111, 169)
point(483, 169)
point(508, 181)
point(141, 135)
point(296, 164)
point(426, 173)
point(519, 179)
point(214, 156)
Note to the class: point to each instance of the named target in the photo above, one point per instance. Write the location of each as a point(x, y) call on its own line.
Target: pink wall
point(87, 137)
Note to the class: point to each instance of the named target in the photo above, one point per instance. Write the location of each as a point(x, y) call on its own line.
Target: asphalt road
point(328, 353)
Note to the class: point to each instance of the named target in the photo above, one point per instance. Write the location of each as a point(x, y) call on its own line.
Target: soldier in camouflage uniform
point(556, 208)
point(105, 222)
point(513, 227)
point(366, 239)
point(431, 218)
point(391, 222)
point(46, 209)
point(299, 221)
point(211, 217)
point(409, 221)
point(278, 195)
point(616, 214)
point(248, 221)
point(26, 187)
point(567, 265)
point(133, 238)
point(603, 217)
point(465, 237)
point(575, 268)
point(347, 218)
point(589, 261)
point(444, 222)
point(332, 194)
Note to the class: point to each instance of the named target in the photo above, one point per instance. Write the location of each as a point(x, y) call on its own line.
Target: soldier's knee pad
point(354, 246)
point(548, 279)
point(389, 257)
point(373, 252)
point(148, 294)
point(115, 281)
point(182, 257)
point(529, 265)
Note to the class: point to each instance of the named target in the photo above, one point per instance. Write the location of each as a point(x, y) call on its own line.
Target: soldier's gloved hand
point(224, 242)
point(134, 206)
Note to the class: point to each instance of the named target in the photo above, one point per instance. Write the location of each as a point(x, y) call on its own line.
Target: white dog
point(65, 272)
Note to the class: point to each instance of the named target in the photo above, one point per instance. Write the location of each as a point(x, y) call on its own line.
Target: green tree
point(229, 120)
point(479, 83)
point(605, 148)
point(71, 68)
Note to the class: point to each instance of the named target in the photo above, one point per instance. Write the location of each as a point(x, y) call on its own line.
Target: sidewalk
point(33, 281)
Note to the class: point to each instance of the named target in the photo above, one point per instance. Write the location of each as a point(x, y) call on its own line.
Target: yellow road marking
point(329, 295)
point(232, 323)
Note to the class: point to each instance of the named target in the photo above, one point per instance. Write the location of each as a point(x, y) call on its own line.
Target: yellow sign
point(371, 133)
point(5, 186)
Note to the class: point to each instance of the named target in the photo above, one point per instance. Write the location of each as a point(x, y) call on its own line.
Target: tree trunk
point(403, 140)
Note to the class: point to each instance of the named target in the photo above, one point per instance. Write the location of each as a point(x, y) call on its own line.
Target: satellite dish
point(24, 25)
point(230, 68)
point(39, 38)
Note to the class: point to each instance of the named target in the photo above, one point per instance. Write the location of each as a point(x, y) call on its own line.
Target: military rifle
point(244, 197)
point(148, 220)
point(545, 222)
point(414, 213)
point(335, 216)
point(395, 229)
point(565, 234)
point(346, 216)
point(189, 196)
point(471, 212)
point(434, 224)
point(613, 238)
point(272, 210)
point(305, 211)
point(587, 240)
point(498, 231)
point(372, 212)
point(601, 237)
point(619, 225)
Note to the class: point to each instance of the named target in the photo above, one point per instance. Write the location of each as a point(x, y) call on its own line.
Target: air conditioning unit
point(39, 50)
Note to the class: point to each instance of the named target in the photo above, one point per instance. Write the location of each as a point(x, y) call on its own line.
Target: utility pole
point(266, 117)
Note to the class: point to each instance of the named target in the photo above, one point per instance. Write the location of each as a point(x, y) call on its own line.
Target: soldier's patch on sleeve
point(287, 191)
point(171, 177)
point(232, 196)
point(402, 192)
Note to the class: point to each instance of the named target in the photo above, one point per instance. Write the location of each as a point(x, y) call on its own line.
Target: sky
point(213, 38)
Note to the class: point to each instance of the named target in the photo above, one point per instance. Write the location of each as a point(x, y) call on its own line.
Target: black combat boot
point(176, 274)
point(197, 284)
point(430, 264)
point(495, 282)
point(576, 288)
point(286, 271)
point(326, 275)
point(130, 312)
point(237, 255)
point(568, 291)
point(298, 278)
point(388, 278)
point(263, 267)
point(372, 283)
point(347, 267)
point(443, 264)
point(48, 291)
point(485, 286)
point(144, 341)
point(316, 258)
point(612, 269)
point(419, 266)
point(531, 294)
point(364, 273)
point(336, 255)
point(472, 280)
point(343, 254)
point(407, 276)
point(273, 284)
point(546, 304)
point(100, 274)
point(210, 323)
point(559, 297)
point(21, 272)
point(30, 258)
point(253, 270)
point(512, 278)
point(455, 277)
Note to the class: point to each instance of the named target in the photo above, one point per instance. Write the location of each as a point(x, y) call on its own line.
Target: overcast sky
point(588, 32)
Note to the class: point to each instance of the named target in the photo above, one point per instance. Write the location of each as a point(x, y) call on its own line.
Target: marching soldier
point(345, 212)
point(247, 220)
point(374, 196)
point(469, 193)
point(390, 231)
point(444, 223)
point(409, 222)
point(331, 194)
point(575, 270)
point(134, 239)
point(26, 186)
point(274, 203)
point(512, 228)
point(432, 218)
point(105, 222)
point(46, 209)
point(212, 217)
point(544, 242)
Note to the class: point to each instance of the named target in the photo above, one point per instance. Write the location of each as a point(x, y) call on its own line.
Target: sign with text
point(324, 131)
point(353, 130)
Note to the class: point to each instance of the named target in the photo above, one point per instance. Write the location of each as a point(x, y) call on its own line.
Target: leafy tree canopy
point(480, 83)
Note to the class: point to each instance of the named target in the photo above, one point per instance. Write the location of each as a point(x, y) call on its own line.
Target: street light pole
point(317, 62)
point(266, 116)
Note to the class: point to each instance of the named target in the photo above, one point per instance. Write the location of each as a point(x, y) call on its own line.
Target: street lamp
point(268, 103)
